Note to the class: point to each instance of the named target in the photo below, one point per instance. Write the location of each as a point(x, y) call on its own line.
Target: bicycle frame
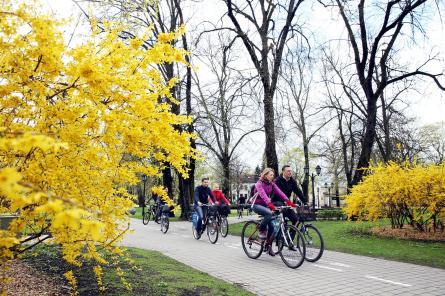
point(281, 220)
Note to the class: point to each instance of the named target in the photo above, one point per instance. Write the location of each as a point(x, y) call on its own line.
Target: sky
point(428, 106)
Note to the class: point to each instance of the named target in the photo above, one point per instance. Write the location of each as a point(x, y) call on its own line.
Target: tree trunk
point(305, 185)
point(226, 177)
point(167, 180)
point(387, 140)
point(367, 142)
point(269, 127)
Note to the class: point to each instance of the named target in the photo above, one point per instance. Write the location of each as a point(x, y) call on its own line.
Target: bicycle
point(164, 219)
point(210, 222)
point(312, 236)
point(152, 211)
point(223, 224)
point(288, 240)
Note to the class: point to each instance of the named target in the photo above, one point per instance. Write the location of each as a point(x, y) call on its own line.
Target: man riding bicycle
point(241, 204)
point(203, 196)
point(287, 185)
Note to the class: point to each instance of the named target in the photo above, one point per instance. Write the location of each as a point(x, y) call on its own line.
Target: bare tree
point(296, 93)
point(344, 101)
point(239, 172)
point(373, 51)
point(331, 151)
point(273, 24)
point(432, 139)
point(223, 111)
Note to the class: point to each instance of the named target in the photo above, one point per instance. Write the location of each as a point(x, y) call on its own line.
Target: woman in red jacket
point(221, 200)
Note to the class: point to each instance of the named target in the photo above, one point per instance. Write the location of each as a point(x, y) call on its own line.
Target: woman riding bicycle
point(263, 206)
point(221, 201)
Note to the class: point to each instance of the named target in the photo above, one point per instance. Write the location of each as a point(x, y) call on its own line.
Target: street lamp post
point(317, 170)
point(318, 196)
point(144, 179)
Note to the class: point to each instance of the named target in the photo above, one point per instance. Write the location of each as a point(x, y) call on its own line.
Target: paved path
point(334, 274)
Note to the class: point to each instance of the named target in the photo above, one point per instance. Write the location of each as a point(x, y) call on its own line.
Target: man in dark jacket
point(287, 184)
point(203, 196)
point(241, 205)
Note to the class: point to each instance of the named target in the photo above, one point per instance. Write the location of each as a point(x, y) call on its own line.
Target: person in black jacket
point(287, 184)
point(241, 204)
point(203, 196)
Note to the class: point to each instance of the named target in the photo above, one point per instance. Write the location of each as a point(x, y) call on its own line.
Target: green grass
point(355, 238)
point(154, 275)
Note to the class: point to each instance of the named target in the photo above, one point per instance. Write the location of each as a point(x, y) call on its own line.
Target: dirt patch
point(409, 233)
point(25, 280)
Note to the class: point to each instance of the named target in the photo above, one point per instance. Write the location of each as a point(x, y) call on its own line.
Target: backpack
point(253, 195)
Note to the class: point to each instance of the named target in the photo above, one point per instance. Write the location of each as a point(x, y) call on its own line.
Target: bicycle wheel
point(156, 217)
point(146, 216)
point(252, 246)
point(292, 246)
point(196, 235)
point(164, 223)
point(224, 227)
point(277, 245)
point(314, 242)
point(212, 230)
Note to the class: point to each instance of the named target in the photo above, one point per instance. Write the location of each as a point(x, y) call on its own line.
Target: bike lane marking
point(387, 281)
point(339, 264)
point(327, 267)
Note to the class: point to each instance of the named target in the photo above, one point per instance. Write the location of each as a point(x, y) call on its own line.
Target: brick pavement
point(334, 274)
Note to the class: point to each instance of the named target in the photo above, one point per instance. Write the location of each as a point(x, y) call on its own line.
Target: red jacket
point(219, 196)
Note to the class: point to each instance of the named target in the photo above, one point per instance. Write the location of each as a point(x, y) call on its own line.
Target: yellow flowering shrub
point(405, 193)
point(69, 119)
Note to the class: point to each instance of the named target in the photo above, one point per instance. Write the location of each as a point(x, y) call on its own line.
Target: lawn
point(151, 274)
point(355, 238)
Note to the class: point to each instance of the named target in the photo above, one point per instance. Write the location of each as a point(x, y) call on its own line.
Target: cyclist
point(160, 204)
point(203, 195)
point(287, 185)
point(241, 204)
point(263, 205)
point(221, 201)
point(164, 206)
point(157, 200)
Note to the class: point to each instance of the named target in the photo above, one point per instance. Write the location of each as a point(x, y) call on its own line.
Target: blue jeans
point(267, 220)
point(201, 211)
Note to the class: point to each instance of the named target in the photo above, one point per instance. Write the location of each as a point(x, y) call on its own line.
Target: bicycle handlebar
point(207, 205)
point(281, 208)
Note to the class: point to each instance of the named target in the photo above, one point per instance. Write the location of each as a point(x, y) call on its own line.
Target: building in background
point(242, 186)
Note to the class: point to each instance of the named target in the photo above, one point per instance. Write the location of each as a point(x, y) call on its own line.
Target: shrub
point(331, 213)
point(404, 193)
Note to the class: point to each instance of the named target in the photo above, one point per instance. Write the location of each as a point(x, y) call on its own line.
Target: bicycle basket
point(306, 213)
point(212, 211)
